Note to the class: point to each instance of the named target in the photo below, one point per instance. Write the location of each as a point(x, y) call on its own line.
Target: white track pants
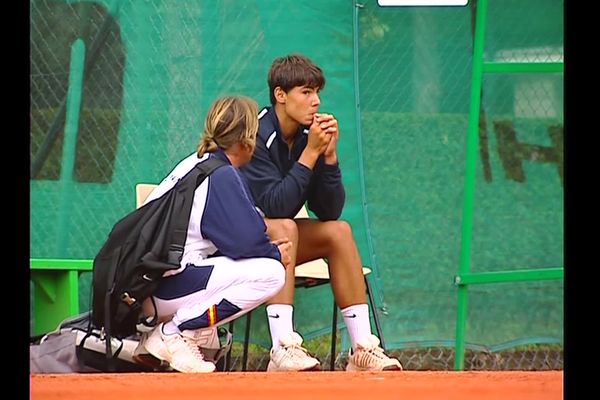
point(217, 291)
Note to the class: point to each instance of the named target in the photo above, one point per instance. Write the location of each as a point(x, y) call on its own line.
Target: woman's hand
point(284, 246)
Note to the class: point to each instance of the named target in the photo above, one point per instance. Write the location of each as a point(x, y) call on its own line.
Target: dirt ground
point(447, 385)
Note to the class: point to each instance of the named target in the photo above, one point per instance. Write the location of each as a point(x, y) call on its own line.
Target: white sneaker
point(207, 339)
point(180, 351)
point(204, 338)
point(142, 357)
point(291, 356)
point(370, 357)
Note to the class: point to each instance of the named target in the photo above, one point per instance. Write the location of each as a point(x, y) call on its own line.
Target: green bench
point(55, 290)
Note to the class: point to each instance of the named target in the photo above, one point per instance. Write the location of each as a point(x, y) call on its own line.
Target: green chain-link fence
point(398, 80)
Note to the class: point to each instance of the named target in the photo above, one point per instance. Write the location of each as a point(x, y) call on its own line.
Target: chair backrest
point(142, 191)
point(303, 213)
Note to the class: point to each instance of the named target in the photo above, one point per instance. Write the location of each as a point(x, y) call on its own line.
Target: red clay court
point(447, 385)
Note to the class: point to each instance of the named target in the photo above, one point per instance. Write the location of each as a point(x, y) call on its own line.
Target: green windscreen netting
point(398, 81)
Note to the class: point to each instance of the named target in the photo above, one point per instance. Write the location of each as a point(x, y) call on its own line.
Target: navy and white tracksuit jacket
point(229, 264)
point(281, 185)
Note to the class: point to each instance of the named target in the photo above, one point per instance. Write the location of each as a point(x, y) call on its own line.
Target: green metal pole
point(61, 264)
point(476, 278)
point(375, 286)
point(75, 89)
point(523, 67)
point(469, 185)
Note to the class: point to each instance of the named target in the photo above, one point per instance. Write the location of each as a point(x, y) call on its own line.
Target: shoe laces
point(371, 347)
point(200, 337)
point(377, 352)
point(292, 346)
point(193, 347)
point(295, 350)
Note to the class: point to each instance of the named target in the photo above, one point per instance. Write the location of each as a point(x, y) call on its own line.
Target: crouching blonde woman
point(229, 265)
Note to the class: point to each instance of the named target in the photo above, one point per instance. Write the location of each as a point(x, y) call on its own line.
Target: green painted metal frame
point(509, 276)
point(55, 290)
point(49, 264)
point(465, 277)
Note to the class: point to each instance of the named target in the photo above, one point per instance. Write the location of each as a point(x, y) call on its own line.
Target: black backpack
point(139, 249)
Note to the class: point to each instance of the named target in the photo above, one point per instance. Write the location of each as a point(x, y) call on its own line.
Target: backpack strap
point(189, 183)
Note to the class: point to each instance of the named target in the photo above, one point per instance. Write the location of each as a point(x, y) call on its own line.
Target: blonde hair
point(230, 120)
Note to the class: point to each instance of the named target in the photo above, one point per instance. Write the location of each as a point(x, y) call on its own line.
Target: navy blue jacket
point(223, 220)
point(280, 185)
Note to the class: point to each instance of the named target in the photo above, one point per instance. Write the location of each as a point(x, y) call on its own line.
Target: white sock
point(169, 328)
point(280, 321)
point(357, 321)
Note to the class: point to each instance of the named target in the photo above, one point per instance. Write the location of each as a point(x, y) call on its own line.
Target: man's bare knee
point(341, 232)
point(282, 227)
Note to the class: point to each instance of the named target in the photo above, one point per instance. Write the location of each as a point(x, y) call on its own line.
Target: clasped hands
point(323, 135)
